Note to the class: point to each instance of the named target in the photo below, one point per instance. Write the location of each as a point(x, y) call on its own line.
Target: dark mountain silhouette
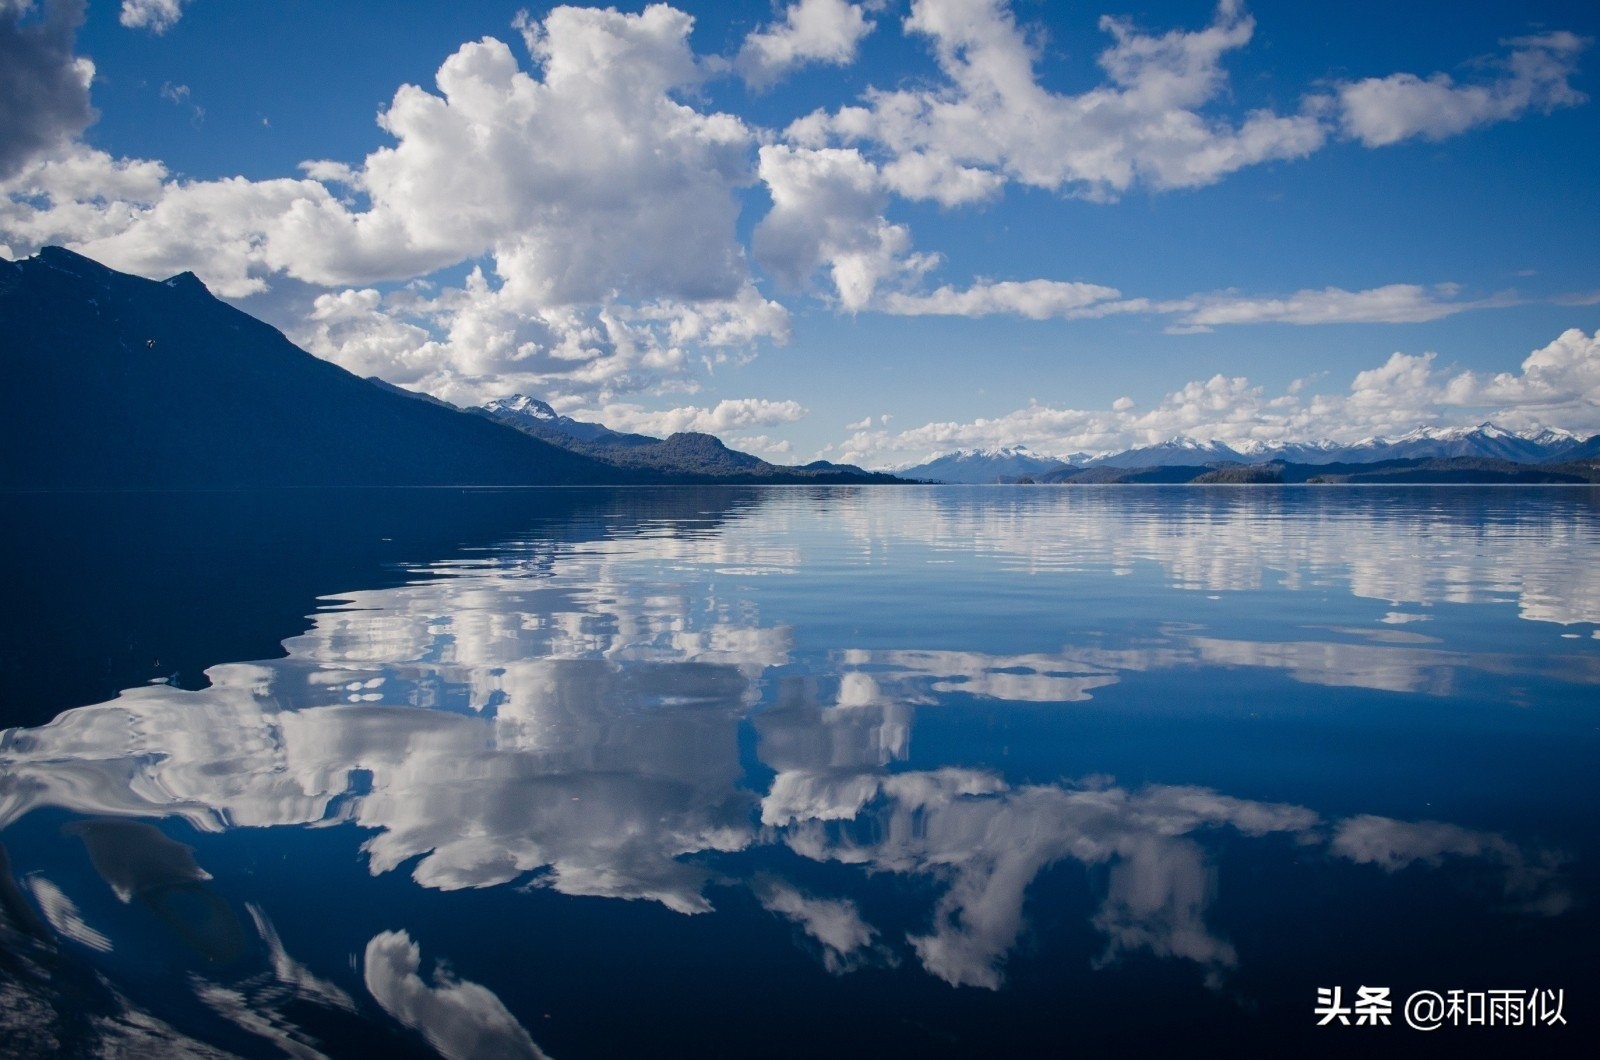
point(416, 395)
point(1588, 449)
point(1109, 475)
point(1463, 469)
point(117, 382)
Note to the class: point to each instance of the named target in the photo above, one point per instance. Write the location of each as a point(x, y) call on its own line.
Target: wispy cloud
point(1536, 75)
point(183, 96)
point(1399, 303)
point(1035, 299)
point(1396, 303)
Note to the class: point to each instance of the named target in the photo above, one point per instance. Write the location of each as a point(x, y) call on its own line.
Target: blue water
point(885, 771)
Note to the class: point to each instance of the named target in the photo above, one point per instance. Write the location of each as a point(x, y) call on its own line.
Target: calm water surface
point(895, 771)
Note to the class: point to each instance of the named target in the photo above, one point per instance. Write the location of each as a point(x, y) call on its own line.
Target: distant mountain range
point(683, 453)
point(117, 382)
point(1414, 470)
point(976, 466)
point(1484, 442)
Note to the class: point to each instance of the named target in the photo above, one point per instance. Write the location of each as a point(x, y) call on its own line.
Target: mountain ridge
point(681, 453)
point(117, 382)
point(1485, 440)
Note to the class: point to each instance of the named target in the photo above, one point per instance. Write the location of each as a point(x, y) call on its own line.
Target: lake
point(920, 771)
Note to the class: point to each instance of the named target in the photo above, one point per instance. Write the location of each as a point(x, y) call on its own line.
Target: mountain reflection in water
point(889, 721)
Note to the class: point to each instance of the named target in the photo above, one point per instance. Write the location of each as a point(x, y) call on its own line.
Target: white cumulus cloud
point(732, 414)
point(593, 198)
point(157, 16)
point(773, 450)
point(588, 181)
point(820, 31)
point(602, 207)
point(479, 341)
point(44, 88)
point(1558, 383)
point(828, 212)
point(991, 118)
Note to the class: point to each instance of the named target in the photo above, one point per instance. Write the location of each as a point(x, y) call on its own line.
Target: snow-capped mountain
point(1179, 450)
point(979, 466)
point(522, 411)
point(1486, 440)
point(1322, 451)
point(522, 405)
point(686, 453)
point(1483, 440)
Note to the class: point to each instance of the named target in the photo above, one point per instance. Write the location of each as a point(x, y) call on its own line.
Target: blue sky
point(866, 231)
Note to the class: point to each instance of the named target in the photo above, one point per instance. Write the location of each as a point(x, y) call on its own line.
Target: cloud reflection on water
point(570, 718)
point(625, 775)
point(462, 1019)
point(1413, 546)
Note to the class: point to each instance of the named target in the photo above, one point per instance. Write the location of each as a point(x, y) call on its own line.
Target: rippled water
point(919, 771)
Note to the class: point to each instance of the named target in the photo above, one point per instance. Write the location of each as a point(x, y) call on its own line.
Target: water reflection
point(988, 841)
point(664, 707)
point(844, 940)
point(64, 917)
point(461, 1019)
point(1379, 659)
point(107, 591)
point(1419, 546)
